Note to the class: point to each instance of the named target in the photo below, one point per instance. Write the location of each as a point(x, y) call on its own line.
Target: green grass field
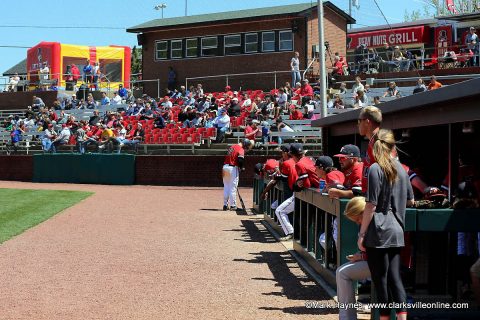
point(21, 209)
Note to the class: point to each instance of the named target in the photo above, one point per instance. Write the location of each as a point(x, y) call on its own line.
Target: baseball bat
point(241, 201)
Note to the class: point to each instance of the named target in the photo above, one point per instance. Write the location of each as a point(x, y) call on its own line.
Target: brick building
point(257, 41)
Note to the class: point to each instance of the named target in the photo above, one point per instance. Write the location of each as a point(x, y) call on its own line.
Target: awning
point(398, 36)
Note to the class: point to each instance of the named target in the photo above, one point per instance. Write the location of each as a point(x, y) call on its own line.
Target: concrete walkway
point(143, 252)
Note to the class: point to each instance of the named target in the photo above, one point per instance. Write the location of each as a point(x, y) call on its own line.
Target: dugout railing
point(431, 240)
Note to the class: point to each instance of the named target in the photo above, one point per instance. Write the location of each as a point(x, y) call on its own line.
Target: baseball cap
point(258, 168)
point(296, 149)
point(270, 165)
point(285, 147)
point(223, 111)
point(323, 162)
point(348, 151)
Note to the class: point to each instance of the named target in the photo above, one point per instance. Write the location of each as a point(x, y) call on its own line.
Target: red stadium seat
point(196, 138)
point(148, 138)
point(211, 132)
point(201, 131)
point(183, 130)
point(192, 130)
point(176, 138)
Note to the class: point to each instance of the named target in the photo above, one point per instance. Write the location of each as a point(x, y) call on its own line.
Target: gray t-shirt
point(386, 228)
point(295, 63)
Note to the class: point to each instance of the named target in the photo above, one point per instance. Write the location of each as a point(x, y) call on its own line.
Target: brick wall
point(189, 170)
point(304, 37)
point(16, 168)
point(335, 30)
point(20, 100)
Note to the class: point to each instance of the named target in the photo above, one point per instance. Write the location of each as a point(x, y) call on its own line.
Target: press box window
point(251, 42)
point(209, 46)
point(192, 48)
point(161, 50)
point(233, 44)
point(268, 41)
point(176, 49)
point(286, 40)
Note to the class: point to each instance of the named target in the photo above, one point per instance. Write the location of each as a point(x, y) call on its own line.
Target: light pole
point(186, 7)
point(160, 6)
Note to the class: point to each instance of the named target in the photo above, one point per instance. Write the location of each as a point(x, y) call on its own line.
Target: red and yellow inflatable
point(114, 62)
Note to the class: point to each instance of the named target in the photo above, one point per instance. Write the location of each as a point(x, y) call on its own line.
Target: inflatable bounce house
point(63, 65)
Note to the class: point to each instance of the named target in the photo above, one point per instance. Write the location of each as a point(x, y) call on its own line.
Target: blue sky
point(116, 15)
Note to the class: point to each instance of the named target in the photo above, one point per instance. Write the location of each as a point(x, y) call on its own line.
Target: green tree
point(136, 62)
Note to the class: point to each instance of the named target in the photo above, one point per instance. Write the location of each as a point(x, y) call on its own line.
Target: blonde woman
point(354, 270)
point(381, 232)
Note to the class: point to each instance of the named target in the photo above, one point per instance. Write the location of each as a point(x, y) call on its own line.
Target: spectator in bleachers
point(288, 90)
point(122, 92)
point(282, 99)
point(434, 84)
point(49, 136)
point(281, 127)
point(62, 117)
point(247, 102)
point(95, 118)
point(392, 90)
point(81, 137)
point(296, 113)
point(471, 40)
point(37, 102)
point(105, 100)
point(87, 72)
point(234, 109)
point(12, 83)
point(62, 138)
point(222, 123)
point(402, 61)
point(343, 88)
point(337, 68)
point(306, 92)
point(376, 100)
point(15, 138)
point(53, 116)
point(116, 98)
point(295, 68)
point(147, 112)
point(420, 87)
point(198, 93)
point(90, 103)
point(251, 130)
point(338, 103)
point(357, 85)
point(361, 100)
point(367, 88)
point(159, 121)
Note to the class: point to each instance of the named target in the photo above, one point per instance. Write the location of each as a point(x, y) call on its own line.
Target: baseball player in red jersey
point(276, 173)
point(369, 121)
point(352, 169)
point(328, 173)
point(234, 162)
point(305, 167)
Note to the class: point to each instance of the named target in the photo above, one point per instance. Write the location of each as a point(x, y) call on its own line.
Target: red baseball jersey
point(335, 178)
point(306, 171)
point(367, 162)
point(287, 171)
point(353, 177)
point(234, 152)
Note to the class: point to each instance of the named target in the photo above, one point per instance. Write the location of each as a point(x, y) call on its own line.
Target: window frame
point(247, 43)
point(270, 41)
point(176, 50)
point(208, 47)
point(156, 49)
point(280, 40)
point(187, 47)
point(239, 45)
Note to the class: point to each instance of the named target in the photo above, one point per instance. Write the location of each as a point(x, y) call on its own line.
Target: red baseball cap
point(270, 165)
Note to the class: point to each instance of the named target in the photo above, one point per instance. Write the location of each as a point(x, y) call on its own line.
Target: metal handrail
point(308, 67)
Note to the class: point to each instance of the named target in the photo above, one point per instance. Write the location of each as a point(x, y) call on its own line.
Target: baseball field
point(143, 252)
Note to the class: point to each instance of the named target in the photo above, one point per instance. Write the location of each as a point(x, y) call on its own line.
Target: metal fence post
point(275, 81)
point(158, 88)
point(227, 79)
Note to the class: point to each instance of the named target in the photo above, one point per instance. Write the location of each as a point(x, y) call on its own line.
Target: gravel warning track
point(148, 252)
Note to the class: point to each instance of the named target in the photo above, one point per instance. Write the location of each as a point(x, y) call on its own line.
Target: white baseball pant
point(230, 183)
point(282, 212)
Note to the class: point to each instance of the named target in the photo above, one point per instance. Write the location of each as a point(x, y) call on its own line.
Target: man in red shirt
point(328, 174)
point(251, 130)
point(307, 176)
point(234, 162)
point(306, 92)
point(352, 168)
point(369, 121)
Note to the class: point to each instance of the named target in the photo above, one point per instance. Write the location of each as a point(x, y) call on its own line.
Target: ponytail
point(382, 150)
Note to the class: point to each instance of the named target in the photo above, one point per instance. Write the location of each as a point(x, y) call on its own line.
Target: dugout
point(433, 128)
point(114, 62)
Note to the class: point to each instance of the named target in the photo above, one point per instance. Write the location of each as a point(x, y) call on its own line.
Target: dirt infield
point(143, 252)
